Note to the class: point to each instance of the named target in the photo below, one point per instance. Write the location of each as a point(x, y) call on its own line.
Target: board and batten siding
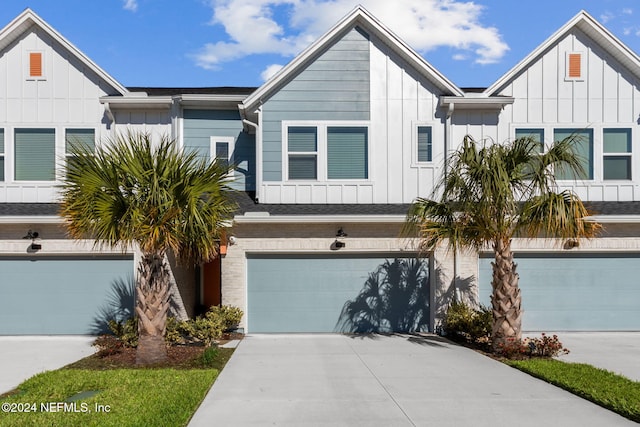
point(358, 78)
point(608, 96)
point(334, 87)
point(65, 96)
point(200, 125)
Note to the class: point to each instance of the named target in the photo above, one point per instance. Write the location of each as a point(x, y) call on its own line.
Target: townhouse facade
point(328, 155)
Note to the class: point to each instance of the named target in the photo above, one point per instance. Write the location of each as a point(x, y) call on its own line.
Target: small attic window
point(575, 66)
point(36, 66)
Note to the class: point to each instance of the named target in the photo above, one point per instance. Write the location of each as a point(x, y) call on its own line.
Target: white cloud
point(606, 17)
point(459, 57)
point(286, 27)
point(131, 5)
point(270, 71)
point(627, 11)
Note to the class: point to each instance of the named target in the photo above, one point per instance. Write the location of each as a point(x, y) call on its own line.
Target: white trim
point(415, 162)
point(231, 142)
point(31, 219)
point(43, 65)
point(22, 23)
point(583, 66)
point(265, 218)
point(321, 150)
point(587, 24)
point(359, 16)
point(614, 219)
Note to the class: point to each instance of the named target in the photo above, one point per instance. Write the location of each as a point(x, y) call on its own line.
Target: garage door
point(575, 292)
point(62, 295)
point(337, 293)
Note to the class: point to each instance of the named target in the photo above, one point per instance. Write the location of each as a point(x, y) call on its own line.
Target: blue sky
point(196, 43)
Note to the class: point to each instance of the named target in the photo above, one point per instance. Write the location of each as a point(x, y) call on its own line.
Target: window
point(302, 146)
point(535, 134)
point(327, 151)
point(347, 153)
point(574, 66)
point(617, 154)
point(80, 138)
point(35, 154)
point(221, 149)
point(425, 153)
point(36, 66)
point(583, 148)
point(1, 155)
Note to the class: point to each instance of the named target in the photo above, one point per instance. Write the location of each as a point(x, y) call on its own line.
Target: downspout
point(258, 154)
point(447, 145)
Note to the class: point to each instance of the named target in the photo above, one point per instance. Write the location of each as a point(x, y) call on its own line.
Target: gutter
point(265, 218)
point(31, 219)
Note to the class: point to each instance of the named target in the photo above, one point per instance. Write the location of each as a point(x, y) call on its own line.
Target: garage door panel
point(58, 295)
point(302, 293)
point(575, 291)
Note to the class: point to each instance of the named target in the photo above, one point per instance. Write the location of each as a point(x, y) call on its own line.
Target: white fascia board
point(358, 16)
point(317, 219)
point(209, 101)
point(468, 103)
point(614, 219)
point(582, 19)
point(31, 219)
point(152, 102)
point(19, 25)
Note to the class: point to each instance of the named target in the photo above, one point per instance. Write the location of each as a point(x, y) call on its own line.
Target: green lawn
point(604, 388)
point(121, 397)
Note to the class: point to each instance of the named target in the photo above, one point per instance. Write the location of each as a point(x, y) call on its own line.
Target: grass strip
point(599, 386)
point(92, 393)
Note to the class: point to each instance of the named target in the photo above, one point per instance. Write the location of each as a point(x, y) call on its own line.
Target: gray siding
point(335, 86)
point(201, 125)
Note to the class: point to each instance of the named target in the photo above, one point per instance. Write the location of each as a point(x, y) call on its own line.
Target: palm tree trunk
point(152, 305)
point(506, 300)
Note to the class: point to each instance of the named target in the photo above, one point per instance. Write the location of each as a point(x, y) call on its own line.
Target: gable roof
point(27, 19)
point(362, 18)
point(593, 29)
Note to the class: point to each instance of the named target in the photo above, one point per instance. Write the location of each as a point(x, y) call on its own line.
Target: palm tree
point(490, 194)
point(130, 192)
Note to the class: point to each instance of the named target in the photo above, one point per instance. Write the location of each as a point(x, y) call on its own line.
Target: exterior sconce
point(337, 244)
point(33, 235)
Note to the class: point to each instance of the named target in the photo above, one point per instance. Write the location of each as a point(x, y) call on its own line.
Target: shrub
point(126, 331)
point(461, 322)
point(107, 345)
point(543, 347)
point(205, 329)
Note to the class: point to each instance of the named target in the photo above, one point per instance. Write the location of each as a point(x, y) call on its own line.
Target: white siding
point(66, 97)
point(607, 97)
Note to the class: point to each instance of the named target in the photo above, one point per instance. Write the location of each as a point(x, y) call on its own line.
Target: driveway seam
point(383, 386)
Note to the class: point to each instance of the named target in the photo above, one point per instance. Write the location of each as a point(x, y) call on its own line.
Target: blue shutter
point(85, 138)
point(301, 140)
point(35, 154)
point(424, 144)
point(347, 153)
point(583, 148)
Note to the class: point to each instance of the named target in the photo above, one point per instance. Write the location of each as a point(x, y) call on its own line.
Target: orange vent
point(35, 64)
point(574, 65)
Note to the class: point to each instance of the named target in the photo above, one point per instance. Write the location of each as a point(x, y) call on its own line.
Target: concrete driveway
point(617, 352)
point(297, 380)
point(21, 357)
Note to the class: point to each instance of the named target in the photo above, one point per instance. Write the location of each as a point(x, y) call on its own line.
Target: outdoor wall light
point(341, 233)
point(232, 240)
point(337, 244)
point(33, 235)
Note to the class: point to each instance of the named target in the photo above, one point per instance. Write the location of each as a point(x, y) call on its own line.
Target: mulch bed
point(187, 356)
